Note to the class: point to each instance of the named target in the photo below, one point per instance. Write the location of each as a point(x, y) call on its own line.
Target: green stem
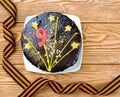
point(64, 47)
point(63, 57)
point(25, 37)
point(53, 49)
point(46, 52)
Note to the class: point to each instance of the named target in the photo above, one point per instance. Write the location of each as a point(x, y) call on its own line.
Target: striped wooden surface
point(101, 55)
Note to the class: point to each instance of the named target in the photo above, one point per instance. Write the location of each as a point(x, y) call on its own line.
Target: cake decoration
point(68, 28)
point(42, 35)
point(35, 25)
point(51, 18)
point(39, 83)
point(51, 42)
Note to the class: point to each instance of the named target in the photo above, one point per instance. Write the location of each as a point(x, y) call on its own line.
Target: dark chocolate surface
point(63, 35)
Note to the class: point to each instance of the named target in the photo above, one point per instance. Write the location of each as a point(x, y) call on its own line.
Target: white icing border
point(30, 67)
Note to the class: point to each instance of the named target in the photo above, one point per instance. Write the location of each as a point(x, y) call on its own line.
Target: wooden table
point(101, 54)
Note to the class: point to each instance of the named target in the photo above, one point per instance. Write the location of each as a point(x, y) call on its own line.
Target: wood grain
point(15, 90)
point(87, 10)
point(101, 52)
point(101, 43)
point(88, 73)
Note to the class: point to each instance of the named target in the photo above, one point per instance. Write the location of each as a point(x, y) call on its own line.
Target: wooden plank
point(14, 91)
point(101, 44)
point(88, 73)
point(93, 74)
point(87, 10)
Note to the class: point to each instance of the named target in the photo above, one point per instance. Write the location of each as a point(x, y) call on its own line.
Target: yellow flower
point(35, 25)
point(68, 28)
point(27, 46)
point(75, 45)
point(51, 18)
